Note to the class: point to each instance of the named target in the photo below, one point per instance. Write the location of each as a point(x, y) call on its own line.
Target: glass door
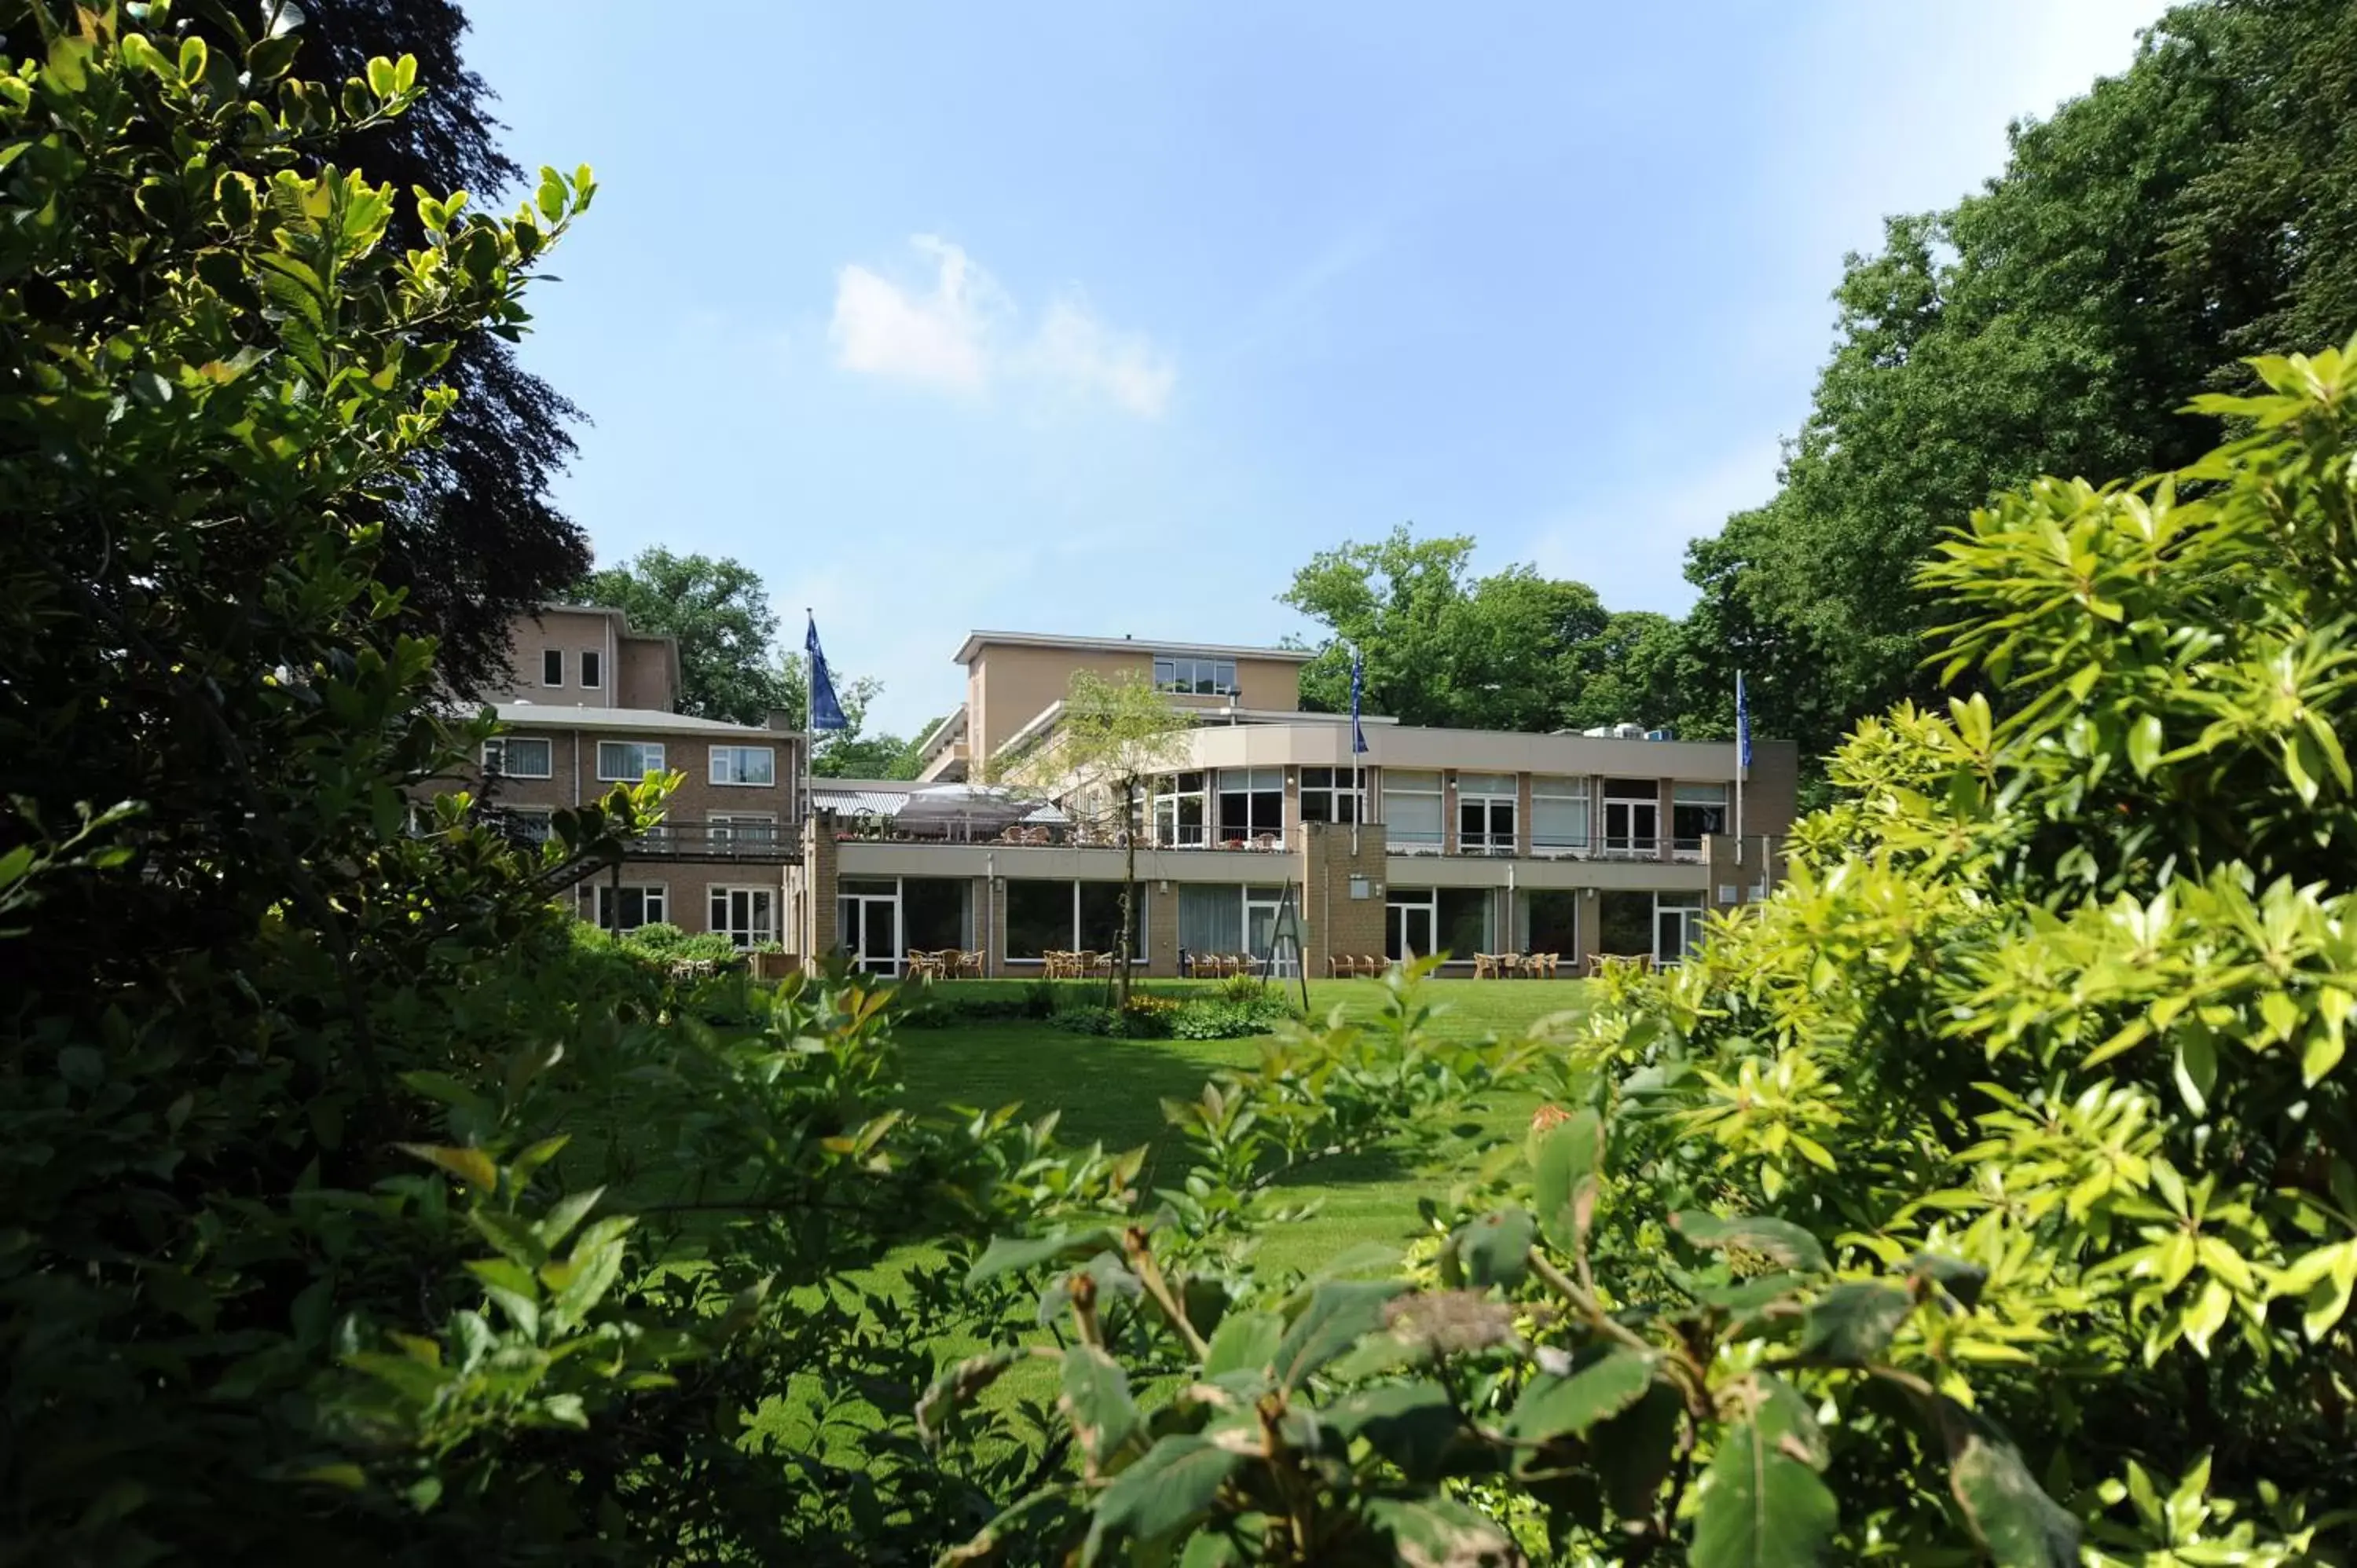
point(1411, 928)
point(1677, 928)
point(867, 925)
point(1260, 920)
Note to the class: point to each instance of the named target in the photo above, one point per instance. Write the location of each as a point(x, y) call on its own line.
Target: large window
point(1551, 921)
point(1330, 795)
point(1068, 916)
point(1252, 805)
point(1228, 917)
point(1697, 811)
point(628, 761)
point(525, 824)
point(1677, 926)
point(517, 756)
point(1465, 921)
point(552, 667)
point(1558, 816)
point(939, 911)
point(1196, 677)
point(746, 916)
point(1411, 811)
point(743, 765)
point(1624, 924)
point(1632, 816)
point(1485, 813)
point(629, 907)
point(1179, 799)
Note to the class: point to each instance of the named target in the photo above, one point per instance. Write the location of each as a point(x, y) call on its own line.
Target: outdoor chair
point(1485, 966)
point(1341, 966)
point(1373, 965)
point(969, 964)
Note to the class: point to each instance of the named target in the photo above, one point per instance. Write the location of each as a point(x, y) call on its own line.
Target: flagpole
point(1742, 763)
point(810, 852)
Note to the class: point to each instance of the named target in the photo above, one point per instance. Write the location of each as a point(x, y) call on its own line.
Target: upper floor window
point(1178, 810)
point(1330, 795)
point(1485, 813)
point(1558, 813)
point(744, 765)
point(1412, 809)
point(1697, 811)
point(1196, 677)
point(628, 761)
point(593, 675)
point(1252, 805)
point(552, 667)
point(517, 756)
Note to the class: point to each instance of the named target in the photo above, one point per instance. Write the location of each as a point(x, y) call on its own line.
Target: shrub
point(1987, 1193)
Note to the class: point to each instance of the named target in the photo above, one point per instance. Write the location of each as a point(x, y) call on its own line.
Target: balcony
point(725, 843)
point(1195, 835)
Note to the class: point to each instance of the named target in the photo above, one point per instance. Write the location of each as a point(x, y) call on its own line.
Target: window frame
point(552, 657)
point(591, 663)
point(1437, 795)
point(1576, 793)
point(723, 827)
point(1195, 675)
point(1072, 931)
point(1252, 791)
point(504, 743)
point(1169, 797)
point(720, 896)
point(1343, 799)
point(656, 747)
point(600, 891)
point(1629, 840)
point(714, 752)
point(1488, 801)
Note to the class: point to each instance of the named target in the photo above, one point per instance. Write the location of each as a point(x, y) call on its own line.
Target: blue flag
point(825, 712)
point(1358, 690)
point(1742, 724)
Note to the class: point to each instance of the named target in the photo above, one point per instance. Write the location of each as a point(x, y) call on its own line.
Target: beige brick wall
point(1009, 685)
point(1337, 922)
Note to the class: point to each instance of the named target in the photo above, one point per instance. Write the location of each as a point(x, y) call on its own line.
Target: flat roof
point(977, 640)
point(560, 716)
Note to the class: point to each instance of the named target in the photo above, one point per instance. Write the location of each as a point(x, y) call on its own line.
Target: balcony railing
point(749, 841)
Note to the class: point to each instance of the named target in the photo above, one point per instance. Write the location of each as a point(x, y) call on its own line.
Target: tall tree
point(1440, 645)
point(719, 611)
point(2197, 208)
point(1116, 735)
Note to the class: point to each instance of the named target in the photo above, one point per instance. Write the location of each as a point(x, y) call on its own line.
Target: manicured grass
point(1112, 1090)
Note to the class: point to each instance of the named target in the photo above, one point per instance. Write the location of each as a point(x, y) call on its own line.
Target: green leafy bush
point(1988, 1192)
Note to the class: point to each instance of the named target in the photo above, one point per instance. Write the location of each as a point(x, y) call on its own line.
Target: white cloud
point(963, 333)
point(935, 338)
point(1074, 350)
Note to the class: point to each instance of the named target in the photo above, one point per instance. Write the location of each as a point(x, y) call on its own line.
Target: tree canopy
point(2197, 208)
point(720, 612)
point(472, 534)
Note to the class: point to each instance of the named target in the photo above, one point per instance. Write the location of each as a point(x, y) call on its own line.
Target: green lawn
point(1112, 1090)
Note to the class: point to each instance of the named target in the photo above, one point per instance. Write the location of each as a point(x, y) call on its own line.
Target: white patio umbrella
point(965, 808)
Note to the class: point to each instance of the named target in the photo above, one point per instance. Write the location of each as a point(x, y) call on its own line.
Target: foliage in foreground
point(1989, 1192)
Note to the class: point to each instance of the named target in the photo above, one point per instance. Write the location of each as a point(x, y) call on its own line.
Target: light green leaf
point(1564, 1178)
point(1012, 1254)
point(1244, 1341)
point(1495, 1250)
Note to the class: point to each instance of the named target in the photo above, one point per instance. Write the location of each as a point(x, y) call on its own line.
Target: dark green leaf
point(1564, 1180)
point(1779, 1240)
point(1787, 1422)
point(1852, 1323)
point(1170, 1489)
point(1439, 1532)
point(1551, 1406)
point(1760, 1508)
point(1096, 1400)
point(1632, 1452)
point(1245, 1342)
point(1339, 1312)
point(1495, 1250)
point(1012, 1254)
point(2021, 1526)
point(1958, 1278)
point(1411, 1424)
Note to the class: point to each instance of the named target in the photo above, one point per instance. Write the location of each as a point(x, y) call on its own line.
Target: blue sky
point(1101, 319)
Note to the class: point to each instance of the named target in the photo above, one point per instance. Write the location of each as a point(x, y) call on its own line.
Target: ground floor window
point(1677, 926)
point(1465, 914)
point(1624, 924)
point(1551, 921)
point(632, 904)
point(746, 916)
point(1407, 924)
point(1425, 920)
point(1070, 916)
point(1228, 917)
point(939, 911)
